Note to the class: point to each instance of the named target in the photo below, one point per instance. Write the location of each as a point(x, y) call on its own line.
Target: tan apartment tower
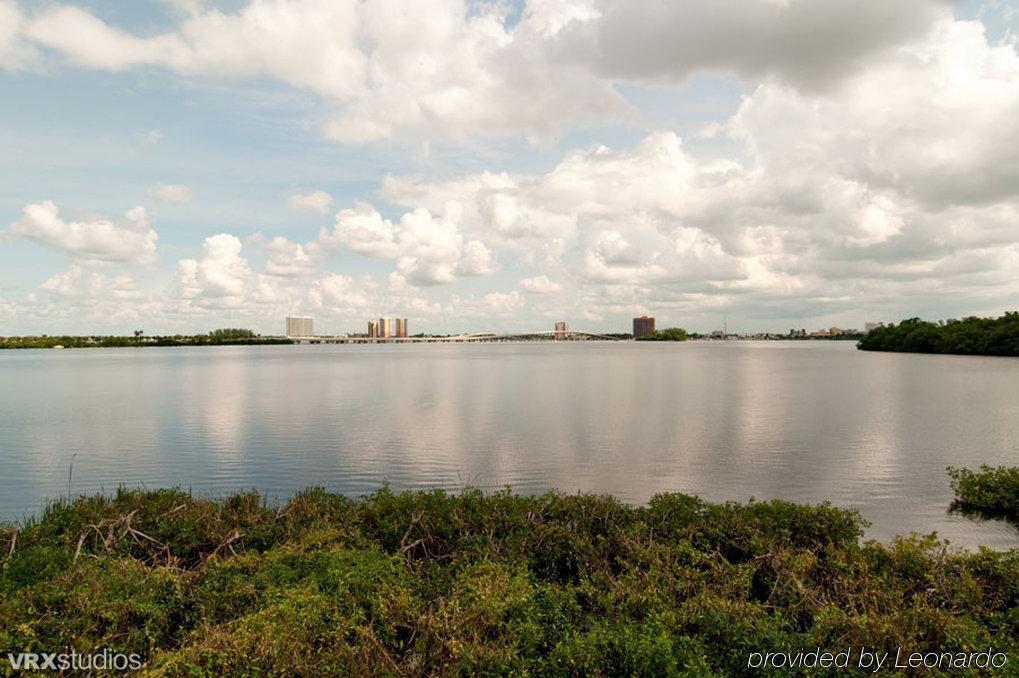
point(401, 328)
point(300, 326)
point(643, 326)
point(385, 328)
point(561, 330)
point(373, 329)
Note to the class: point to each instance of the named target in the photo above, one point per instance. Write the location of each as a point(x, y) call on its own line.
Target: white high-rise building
point(300, 326)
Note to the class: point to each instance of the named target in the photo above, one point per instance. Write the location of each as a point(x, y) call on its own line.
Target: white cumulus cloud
point(315, 201)
point(446, 64)
point(459, 67)
point(128, 240)
point(808, 43)
point(540, 284)
point(220, 277)
point(288, 258)
point(872, 160)
point(899, 181)
point(15, 53)
point(174, 193)
point(428, 249)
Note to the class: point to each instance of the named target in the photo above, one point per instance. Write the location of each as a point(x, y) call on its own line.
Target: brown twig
point(81, 538)
point(411, 546)
point(414, 519)
point(174, 510)
point(14, 541)
point(385, 653)
point(135, 533)
point(234, 536)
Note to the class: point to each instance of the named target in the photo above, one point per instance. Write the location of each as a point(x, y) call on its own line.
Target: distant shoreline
point(97, 341)
point(67, 342)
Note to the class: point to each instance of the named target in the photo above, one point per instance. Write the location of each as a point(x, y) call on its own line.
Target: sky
point(182, 165)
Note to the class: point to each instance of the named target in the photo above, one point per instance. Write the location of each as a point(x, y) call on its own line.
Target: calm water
point(800, 421)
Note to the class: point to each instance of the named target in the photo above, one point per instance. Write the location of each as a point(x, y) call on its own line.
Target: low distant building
point(561, 329)
point(300, 326)
point(643, 326)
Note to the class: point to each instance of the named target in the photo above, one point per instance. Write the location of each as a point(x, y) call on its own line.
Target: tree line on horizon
point(969, 336)
point(219, 337)
point(667, 334)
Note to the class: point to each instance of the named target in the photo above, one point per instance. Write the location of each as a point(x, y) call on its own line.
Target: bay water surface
point(802, 421)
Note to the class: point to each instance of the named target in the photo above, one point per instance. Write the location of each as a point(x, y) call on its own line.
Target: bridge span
point(474, 337)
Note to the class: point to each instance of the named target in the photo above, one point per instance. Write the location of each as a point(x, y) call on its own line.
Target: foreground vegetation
point(970, 336)
point(992, 492)
point(221, 337)
point(439, 584)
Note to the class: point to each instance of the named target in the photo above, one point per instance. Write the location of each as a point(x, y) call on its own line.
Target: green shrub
point(667, 334)
point(433, 583)
point(993, 492)
point(969, 336)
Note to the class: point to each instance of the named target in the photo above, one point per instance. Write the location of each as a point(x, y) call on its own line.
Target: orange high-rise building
point(643, 326)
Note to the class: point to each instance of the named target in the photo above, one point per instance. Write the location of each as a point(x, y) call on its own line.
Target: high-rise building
point(300, 326)
point(385, 328)
point(561, 329)
point(373, 329)
point(401, 327)
point(643, 326)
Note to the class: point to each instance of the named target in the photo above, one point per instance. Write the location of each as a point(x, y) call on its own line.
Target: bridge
point(474, 337)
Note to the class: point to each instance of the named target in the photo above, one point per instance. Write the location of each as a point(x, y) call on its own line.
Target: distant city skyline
point(180, 166)
point(387, 327)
